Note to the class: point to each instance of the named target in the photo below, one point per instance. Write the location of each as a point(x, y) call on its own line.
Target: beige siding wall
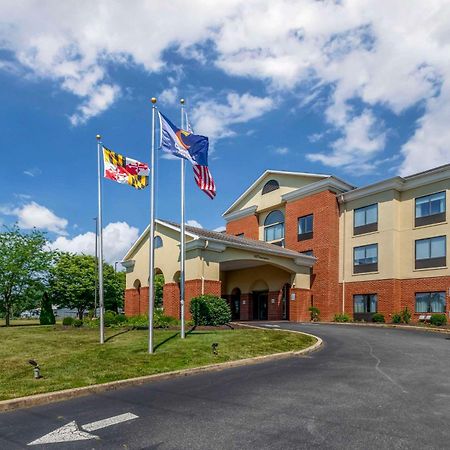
point(396, 234)
point(288, 183)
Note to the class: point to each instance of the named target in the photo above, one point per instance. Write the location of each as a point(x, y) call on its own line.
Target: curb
point(383, 325)
point(66, 394)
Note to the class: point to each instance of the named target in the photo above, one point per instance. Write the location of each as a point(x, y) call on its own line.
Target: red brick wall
point(325, 245)
point(193, 288)
point(246, 307)
point(275, 310)
point(136, 301)
point(395, 295)
point(171, 300)
point(298, 308)
point(247, 225)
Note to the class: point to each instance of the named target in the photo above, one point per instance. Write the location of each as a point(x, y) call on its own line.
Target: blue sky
point(358, 91)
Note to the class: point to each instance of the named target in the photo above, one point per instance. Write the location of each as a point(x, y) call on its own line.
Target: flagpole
point(100, 242)
point(151, 238)
point(183, 235)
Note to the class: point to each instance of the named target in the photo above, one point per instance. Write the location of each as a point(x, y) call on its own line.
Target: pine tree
point(46, 317)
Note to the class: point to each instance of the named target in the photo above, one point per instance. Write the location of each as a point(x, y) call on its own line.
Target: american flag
point(204, 180)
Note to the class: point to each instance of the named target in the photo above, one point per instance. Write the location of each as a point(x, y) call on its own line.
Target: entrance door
point(260, 305)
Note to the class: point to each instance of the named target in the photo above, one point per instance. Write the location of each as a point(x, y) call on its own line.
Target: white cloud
point(281, 150)
point(373, 53)
point(32, 172)
point(214, 119)
point(33, 215)
point(220, 229)
point(362, 140)
point(169, 96)
point(194, 223)
point(118, 237)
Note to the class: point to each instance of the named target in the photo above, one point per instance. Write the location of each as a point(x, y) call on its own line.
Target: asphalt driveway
point(367, 388)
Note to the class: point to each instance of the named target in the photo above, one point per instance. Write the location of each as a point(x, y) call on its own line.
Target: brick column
point(246, 307)
point(275, 310)
point(171, 300)
point(298, 307)
point(131, 305)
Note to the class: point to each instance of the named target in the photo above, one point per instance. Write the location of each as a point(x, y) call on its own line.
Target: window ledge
point(429, 225)
point(365, 273)
point(365, 234)
point(430, 268)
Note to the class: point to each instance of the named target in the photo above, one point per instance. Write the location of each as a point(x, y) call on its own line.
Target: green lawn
point(71, 357)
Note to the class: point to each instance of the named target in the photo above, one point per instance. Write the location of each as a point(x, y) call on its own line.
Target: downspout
point(341, 201)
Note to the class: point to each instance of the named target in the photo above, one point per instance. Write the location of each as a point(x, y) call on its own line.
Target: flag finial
point(182, 101)
point(98, 137)
point(153, 100)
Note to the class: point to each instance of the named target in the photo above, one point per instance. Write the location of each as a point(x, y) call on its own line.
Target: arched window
point(274, 228)
point(271, 185)
point(137, 285)
point(158, 242)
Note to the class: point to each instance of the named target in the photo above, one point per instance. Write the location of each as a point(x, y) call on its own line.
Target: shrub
point(46, 317)
point(406, 316)
point(341, 318)
point(210, 310)
point(77, 323)
point(378, 318)
point(438, 319)
point(315, 313)
point(109, 318)
point(396, 318)
point(68, 321)
point(162, 321)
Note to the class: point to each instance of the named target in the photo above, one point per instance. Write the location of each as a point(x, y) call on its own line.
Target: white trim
point(276, 172)
point(400, 184)
point(331, 183)
point(250, 211)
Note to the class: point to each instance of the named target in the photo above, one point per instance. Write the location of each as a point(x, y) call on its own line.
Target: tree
point(159, 285)
point(72, 283)
point(46, 317)
point(24, 265)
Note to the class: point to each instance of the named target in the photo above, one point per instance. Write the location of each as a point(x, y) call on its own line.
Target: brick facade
point(299, 302)
point(136, 301)
point(247, 225)
point(395, 295)
point(324, 244)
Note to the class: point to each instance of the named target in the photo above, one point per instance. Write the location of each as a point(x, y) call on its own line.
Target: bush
point(77, 323)
point(406, 316)
point(162, 321)
point(341, 318)
point(315, 313)
point(396, 318)
point(68, 321)
point(210, 310)
point(111, 319)
point(438, 319)
point(46, 317)
point(378, 318)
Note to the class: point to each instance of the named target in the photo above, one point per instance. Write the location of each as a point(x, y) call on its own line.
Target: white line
point(108, 422)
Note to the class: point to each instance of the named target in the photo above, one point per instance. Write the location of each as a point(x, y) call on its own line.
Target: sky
point(357, 89)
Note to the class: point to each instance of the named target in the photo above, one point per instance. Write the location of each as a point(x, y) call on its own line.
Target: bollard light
point(36, 369)
point(214, 348)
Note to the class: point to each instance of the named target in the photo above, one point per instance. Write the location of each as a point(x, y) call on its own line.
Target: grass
point(71, 357)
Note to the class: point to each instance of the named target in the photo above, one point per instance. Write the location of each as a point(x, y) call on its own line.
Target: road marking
point(66, 433)
point(108, 422)
point(272, 326)
point(71, 432)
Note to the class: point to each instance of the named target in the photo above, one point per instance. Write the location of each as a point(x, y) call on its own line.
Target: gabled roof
point(272, 172)
point(227, 240)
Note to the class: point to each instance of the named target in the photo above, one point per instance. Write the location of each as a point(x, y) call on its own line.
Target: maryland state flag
point(125, 170)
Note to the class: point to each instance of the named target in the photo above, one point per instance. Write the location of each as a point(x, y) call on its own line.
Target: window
point(271, 185)
point(430, 302)
point(365, 219)
point(431, 252)
point(365, 258)
point(365, 303)
point(430, 209)
point(274, 228)
point(308, 253)
point(240, 235)
point(305, 227)
point(158, 242)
